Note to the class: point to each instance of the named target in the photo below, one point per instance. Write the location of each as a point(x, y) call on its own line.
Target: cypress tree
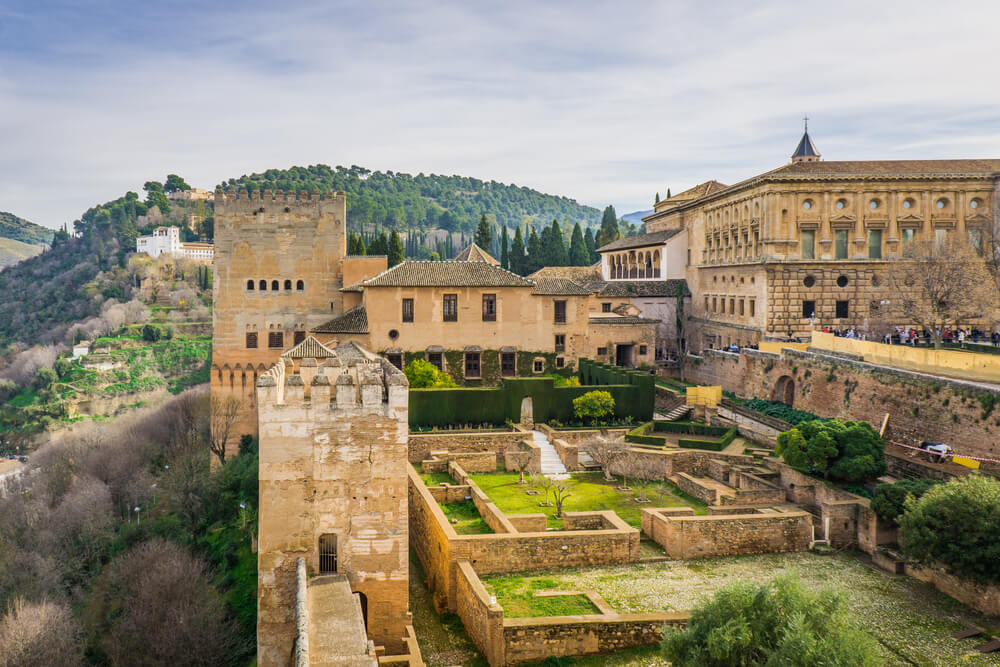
point(504, 251)
point(579, 255)
point(609, 227)
point(395, 249)
point(557, 254)
point(534, 259)
point(517, 252)
point(588, 239)
point(380, 245)
point(657, 200)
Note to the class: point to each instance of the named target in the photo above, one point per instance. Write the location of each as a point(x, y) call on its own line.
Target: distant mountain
point(397, 200)
point(20, 239)
point(636, 216)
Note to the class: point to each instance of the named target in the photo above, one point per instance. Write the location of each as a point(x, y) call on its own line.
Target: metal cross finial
point(806, 119)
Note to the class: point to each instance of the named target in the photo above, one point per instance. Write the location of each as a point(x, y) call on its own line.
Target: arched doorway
point(784, 390)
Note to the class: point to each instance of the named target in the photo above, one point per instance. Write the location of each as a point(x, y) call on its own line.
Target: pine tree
point(609, 227)
point(579, 255)
point(380, 245)
point(588, 238)
point(504, 251)
point(517, 253)
point(534, 259)
point(395, 249)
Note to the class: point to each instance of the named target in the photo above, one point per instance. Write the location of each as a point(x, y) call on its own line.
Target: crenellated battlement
point(233, 195)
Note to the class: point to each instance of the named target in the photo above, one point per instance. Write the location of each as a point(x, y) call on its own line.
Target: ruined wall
point(422, 444)
point(483, 619)
point(985, 599)
point(721, 535)
point(921, 407)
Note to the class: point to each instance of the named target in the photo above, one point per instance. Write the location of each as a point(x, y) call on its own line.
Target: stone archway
point(784, 390)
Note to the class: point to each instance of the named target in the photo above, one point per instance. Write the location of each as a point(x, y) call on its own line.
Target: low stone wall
point(525, 446)
point(844, 513)
point(450, 493)
point(685, 536)
point(568, 454)
point(753, 497)
point(696, 489)
point(984, 599)
point(482, 618)
point(422, 444)
point(529, 523)
point(582, 435)
point(471, 461)
point(665, 463)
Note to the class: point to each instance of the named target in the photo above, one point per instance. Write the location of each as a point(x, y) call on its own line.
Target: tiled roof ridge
point(495, 267)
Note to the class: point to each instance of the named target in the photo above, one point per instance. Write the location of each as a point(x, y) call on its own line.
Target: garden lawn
point(517, 597)
point(436, 478)
point(589, 492)
point(465, 518)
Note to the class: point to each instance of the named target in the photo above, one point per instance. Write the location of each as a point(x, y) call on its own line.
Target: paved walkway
point(552, 465)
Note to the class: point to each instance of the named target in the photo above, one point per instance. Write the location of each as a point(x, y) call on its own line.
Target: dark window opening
point(327, 554)
point(299, 285)
point(250, 285)
point(472, 365)
point(396, 359)
point(560, 362)
point(407, 310)
point(298, 337)
point(288, 285)
point(539, 365)
point(434, 358)
point(642, 349)
point(560, 312)
point(274, 285)
point(808, 308)
point(489, 308)
point(251, 340)
point(451, 308)
point(602, 351)
point(275, 339)
point(560, 342)
point(263, 286)
point(842, 310)
point(508, 364)
point(605, 307)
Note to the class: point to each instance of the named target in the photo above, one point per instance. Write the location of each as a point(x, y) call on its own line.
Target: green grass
point(517, 597)
point(24, 399)
point(588, 492)
point(464, 518)
point(435, 478)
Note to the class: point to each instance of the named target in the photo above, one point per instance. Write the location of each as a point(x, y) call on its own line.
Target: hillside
point(12, 252)
point(398, 200)
point(20, 239)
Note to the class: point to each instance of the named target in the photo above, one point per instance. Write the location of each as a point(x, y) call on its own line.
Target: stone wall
point(686, 536)
point(985, 599)
point(471, 461)
point(568, 454)
point(920, 406)
point(482, 618)
point(845, 511)
point(450, 493)
point(422, 444)
point(694, 488)
point(581, 435)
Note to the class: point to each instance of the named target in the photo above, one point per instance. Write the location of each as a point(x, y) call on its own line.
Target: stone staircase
point(675, 414)
point(551, 465)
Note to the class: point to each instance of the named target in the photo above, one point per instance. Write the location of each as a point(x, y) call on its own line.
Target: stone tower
point(278, 271)
point(333, 489)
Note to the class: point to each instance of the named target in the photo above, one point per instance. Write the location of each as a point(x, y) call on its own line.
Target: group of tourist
point(910, 336)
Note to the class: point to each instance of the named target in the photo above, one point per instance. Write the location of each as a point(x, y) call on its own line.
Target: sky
point(604, 102)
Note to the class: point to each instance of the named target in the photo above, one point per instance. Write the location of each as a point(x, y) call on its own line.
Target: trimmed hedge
point(688, 427)
point(640, 436)
point(710, 445)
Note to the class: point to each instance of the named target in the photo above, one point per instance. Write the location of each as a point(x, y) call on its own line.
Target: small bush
point(151, 333)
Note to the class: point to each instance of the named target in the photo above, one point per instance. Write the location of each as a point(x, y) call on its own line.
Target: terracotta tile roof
point(622, 320)
point(902, 167)
point(559, 287)
point(700, 190)
point(310, 348)
point(450, 273)
point(353, 321)
point(356, 287)
point(640, 240)
point(474, 253)
point(578, 274)
point(639, 288)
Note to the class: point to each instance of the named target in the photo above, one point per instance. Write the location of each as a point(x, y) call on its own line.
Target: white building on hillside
point(167, 240)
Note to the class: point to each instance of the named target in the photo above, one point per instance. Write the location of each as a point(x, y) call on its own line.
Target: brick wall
point(700, 536)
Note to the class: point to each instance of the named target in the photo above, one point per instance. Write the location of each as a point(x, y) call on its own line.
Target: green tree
point(591, 242)
point(657, 200)
point(151, 333)
point(379, 245)
point(533, 261)
point(155, 196)
point(504, 250)
point(777, 623)
point(609, 227)
point(62, 367)
point(579, 255)
point(554, 251)
point(423, 375)
point(44, 378)
point(175, 184)
point(955, 525)
point(593, 405)
point(888, 500)
point(395, 249)
point(844, 450)
point(484, 235)
point(517, 256)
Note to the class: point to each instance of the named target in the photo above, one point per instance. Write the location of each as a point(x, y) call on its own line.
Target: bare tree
point(517, 460)
point(39, 633)
point(943, 284)
point(560, 492)
point(546, 483)
point(225, 413)
point(605, 452)
point(634, 466)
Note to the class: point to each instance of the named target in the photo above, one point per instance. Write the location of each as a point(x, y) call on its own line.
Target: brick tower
point(333, 489)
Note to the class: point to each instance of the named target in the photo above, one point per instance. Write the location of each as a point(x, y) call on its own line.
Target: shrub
point(956, 525)
point(779, 623)
point(151, 333)
point(780, 411)
point(888, 499)
point(593, 405)
point(842, 450)
point(44, 377)
point(423, 374)
point(40, 633)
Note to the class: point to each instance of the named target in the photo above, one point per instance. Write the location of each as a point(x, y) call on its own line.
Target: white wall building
point(167, 240)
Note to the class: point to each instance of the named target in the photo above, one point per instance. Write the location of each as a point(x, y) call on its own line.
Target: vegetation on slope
point(19, 229)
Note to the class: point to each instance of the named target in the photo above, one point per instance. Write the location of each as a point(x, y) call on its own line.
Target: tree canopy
point(609, 227)
point(888, 500)
point(844, 450)
point(425, 375)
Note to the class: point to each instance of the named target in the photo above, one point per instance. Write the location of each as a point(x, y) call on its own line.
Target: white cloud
point(603, 102)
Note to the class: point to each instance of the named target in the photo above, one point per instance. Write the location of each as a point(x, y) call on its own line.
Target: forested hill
point(402, 201)
point(19, 229)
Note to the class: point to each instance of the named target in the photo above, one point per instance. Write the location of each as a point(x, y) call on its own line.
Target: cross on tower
point(806, 119)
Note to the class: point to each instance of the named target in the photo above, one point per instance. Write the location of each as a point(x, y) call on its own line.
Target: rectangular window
point(732, 306)
point(840, 241)
point(753, 307)
point(560, 312)
point(327, 553)
point(808, 244)
point(808, 309)
point(407, 310)
point(874, 244)
point(842, 309)
point(251, 340)
point(275, 339)
point(560, 362)
point(605, 307)
point(602, 351)
point(906, 235)
point(976, 240)
point(434, 359)
point(642, 350)
point(560, 342)
point(472, 365)
point(507, 364)
point(489, 308)
point(451, 308)
point(538, 366)
point(396, 359)
point(741, 306)
point(941, 236)
point(706, 304)
point(298, 337)
point(715, 305)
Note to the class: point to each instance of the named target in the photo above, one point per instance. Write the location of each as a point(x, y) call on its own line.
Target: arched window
point(299, 285)
point(263, 286)
point(288, 285)
point(250, 285)
point(274, 285)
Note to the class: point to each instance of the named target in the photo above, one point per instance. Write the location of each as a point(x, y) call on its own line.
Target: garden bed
point(465, 518)
point(645, 435)
point(519, 598)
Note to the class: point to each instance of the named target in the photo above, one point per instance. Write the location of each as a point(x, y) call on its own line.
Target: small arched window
point(288, 285)
point(274, 285)
point(299, 285)
point(263, 286)
point(250, 285)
